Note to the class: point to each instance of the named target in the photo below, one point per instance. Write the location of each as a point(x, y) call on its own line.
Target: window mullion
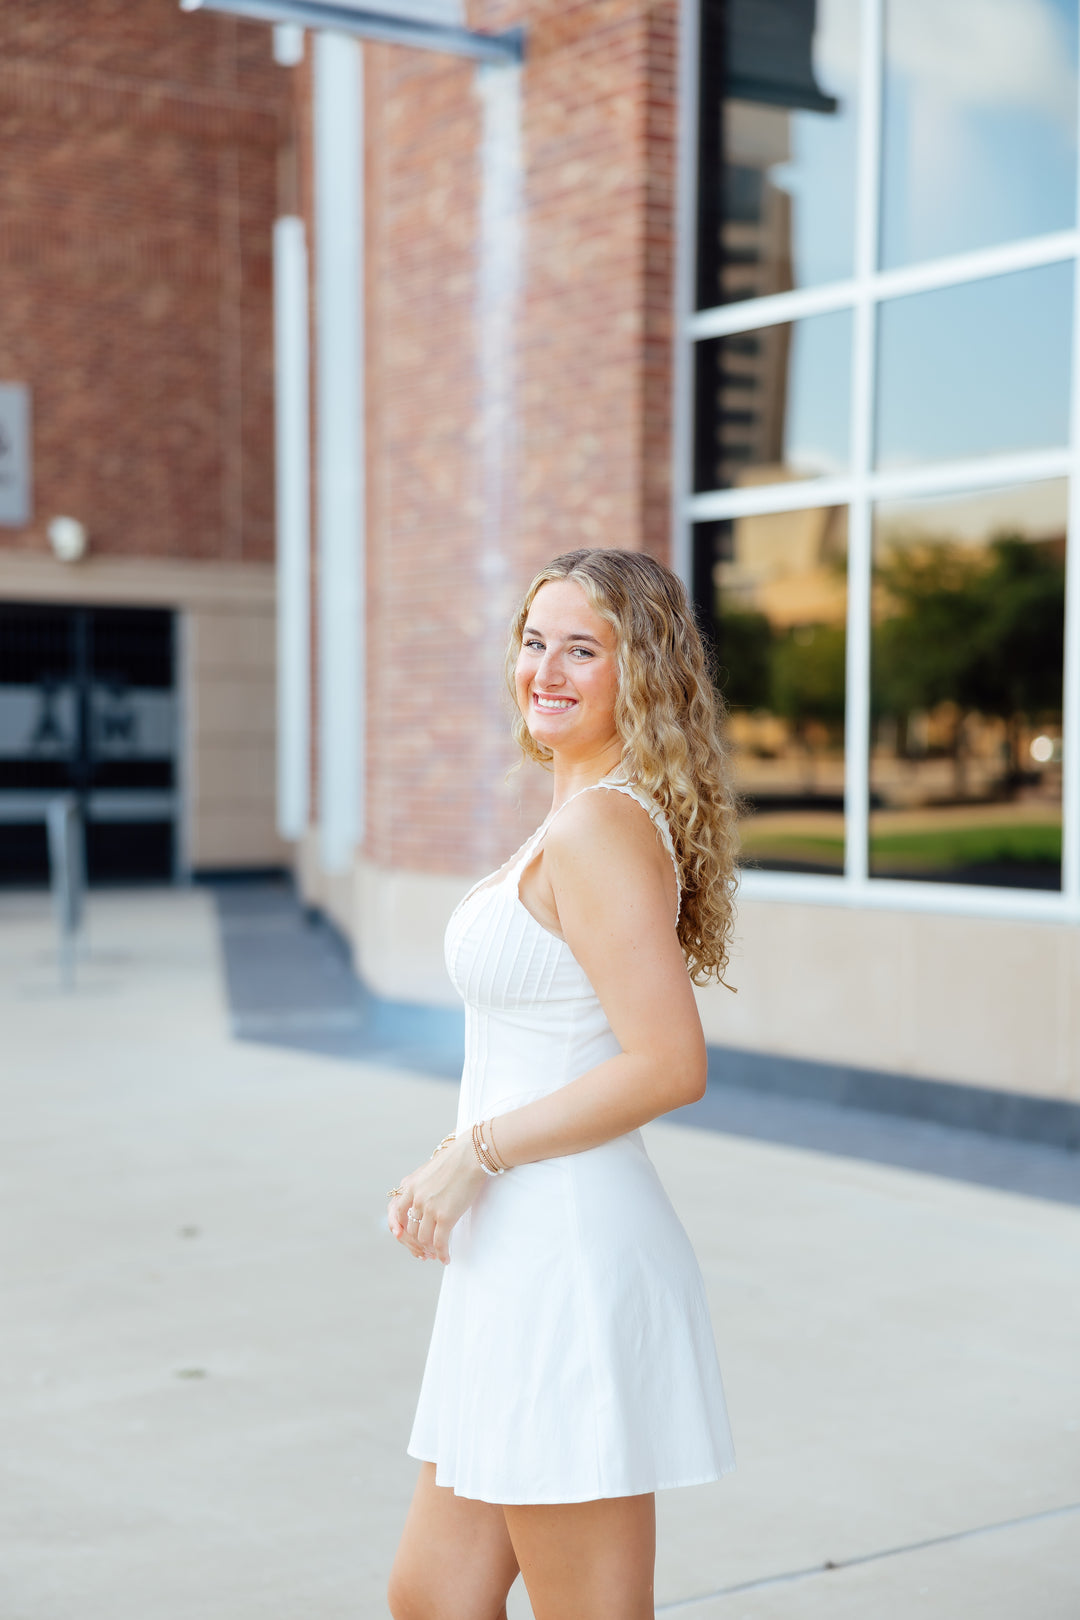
point(1070, 728)
point(860, 518)
point(686, 233)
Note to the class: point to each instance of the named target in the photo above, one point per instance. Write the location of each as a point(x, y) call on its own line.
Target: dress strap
point(617, 784)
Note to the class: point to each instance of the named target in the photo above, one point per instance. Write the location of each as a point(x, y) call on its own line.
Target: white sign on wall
point(14, 454)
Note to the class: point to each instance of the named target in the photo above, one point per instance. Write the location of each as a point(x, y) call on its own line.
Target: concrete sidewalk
point(212, 1347)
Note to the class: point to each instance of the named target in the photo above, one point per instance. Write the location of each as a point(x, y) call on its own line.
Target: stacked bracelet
point(445, 1143)
point(487, 1158)
point(495, 1154)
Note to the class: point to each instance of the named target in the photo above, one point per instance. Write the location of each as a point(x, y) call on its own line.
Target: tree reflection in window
point(967, 695)
point(775, 594)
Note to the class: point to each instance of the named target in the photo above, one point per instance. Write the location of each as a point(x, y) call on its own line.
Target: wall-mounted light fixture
point(68, 538)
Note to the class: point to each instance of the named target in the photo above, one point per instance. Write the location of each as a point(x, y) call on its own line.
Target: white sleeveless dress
point(572, 1355)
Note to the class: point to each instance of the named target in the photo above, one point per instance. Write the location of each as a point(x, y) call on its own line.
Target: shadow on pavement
point(291, 983)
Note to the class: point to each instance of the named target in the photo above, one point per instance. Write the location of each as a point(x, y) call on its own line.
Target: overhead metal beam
point(373, 24)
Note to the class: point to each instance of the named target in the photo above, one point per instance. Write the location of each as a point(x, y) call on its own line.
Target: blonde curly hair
point(669, 716)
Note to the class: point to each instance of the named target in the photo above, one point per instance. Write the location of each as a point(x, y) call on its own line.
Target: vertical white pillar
point(498, 291)
point(863, 406)
point(682, 530)
point(292, 450)
point(338, 122)
point(1070, 729)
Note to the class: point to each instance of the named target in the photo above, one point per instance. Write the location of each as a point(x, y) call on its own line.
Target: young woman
point(572, 1371)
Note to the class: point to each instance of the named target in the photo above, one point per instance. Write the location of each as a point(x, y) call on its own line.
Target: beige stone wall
point(227, 687)
point(333, 893)
point(230, 706)
point(401, 918)
point(991, 1002)
point(969, 999)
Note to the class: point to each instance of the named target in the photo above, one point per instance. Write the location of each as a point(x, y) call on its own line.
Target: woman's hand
point(438, 1193)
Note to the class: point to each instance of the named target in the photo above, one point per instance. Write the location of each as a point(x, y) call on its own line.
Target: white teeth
point(553, 703)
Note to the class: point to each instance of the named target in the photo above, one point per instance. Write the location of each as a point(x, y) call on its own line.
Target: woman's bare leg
point(587, 1560)
point(455, 1560)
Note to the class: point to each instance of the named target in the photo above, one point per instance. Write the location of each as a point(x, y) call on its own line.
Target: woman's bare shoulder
point(605, 825)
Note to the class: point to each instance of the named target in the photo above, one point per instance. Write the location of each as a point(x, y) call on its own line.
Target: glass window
point(773, 590)
point(773, 404)
point(777, 146)
point(968, 639)
point(975, 370)
point(979, 139)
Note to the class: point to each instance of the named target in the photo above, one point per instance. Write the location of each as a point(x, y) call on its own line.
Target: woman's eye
point(585, 651)
point(535, 645)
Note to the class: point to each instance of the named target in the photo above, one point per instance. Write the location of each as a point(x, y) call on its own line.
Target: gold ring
point(395, 1192)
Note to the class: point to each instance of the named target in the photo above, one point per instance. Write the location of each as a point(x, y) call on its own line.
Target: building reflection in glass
point(979, 140)
point(773, 590)
point(773, 404)
point(776, 164)
point(975, 370)
point(969, 600)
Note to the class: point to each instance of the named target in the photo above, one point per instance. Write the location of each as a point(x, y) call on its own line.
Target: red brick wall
point(592, 359)
point(422, 125)
point(138, 178)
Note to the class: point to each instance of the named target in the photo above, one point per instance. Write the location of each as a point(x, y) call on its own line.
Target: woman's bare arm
point(613, 890)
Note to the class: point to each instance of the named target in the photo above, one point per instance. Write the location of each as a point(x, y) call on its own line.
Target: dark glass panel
point(129, 851)
point(776, 161)
point(86, 702)
point(773, 404)
point(133, 646)
point(24, 853)
point(36, 644)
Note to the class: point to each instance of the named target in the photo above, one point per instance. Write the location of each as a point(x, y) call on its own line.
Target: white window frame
point(863, 486)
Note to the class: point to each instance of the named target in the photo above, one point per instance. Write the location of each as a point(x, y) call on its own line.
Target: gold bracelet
point(446, 1141)
point(483, 1157)
point(495, 1158)
point(489, 1157)
point(495, 1154)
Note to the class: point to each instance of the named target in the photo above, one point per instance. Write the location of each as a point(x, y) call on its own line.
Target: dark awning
point(769, 54)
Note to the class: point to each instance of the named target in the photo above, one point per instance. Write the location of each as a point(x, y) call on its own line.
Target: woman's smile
point(566, 676)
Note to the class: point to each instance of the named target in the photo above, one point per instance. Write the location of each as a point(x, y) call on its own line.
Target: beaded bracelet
point(483, 1157)
point(446, 1141)
point(495, 1154)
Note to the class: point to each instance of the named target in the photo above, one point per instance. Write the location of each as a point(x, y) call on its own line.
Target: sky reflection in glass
point(975, 370)
point(979, 137)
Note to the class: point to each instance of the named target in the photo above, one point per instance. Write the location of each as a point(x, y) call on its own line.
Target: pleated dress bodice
point(532, 1019)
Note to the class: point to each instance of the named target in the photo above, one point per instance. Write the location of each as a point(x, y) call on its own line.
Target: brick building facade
point(462, 508)
point(518, 260)
point(447, 319)
point(142, 152)
point(578, 459)
point(536, 370)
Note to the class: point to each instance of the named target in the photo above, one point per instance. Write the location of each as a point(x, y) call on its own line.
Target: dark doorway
point(88, 705)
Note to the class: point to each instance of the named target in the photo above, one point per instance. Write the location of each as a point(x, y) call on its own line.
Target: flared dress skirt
point(572, 1355)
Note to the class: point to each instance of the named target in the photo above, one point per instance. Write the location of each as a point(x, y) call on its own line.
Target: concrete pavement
point(212, 1347)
